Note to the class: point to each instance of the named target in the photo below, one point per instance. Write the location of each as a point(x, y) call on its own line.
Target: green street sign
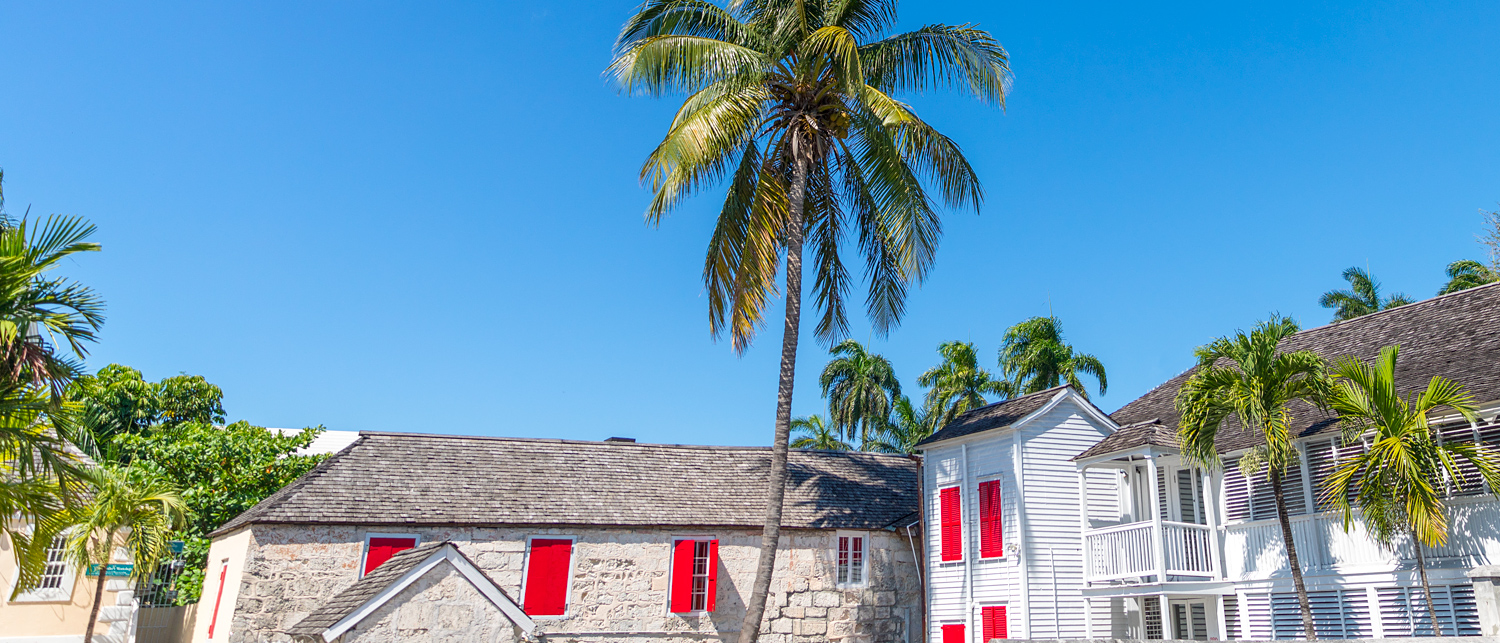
point(117, 570)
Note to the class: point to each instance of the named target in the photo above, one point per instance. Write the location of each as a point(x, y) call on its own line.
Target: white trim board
point(447, 553)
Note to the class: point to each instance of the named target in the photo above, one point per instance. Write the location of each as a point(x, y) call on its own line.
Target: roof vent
point(619, 440)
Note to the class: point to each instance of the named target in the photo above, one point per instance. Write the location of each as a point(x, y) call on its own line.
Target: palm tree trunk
point(1291, 555)
point(755, 608)
point(88, 635)
point(1437, 628)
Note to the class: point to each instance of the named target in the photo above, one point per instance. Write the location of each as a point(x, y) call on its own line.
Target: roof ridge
point(1420, 302)
point(617, 445)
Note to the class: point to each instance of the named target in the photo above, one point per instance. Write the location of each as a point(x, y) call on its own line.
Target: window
point(994, 625)
point(953, 633)
point(695, 575)
point(56, 583)
point(991, 542)
point(952, 524)
point(380, 547)
point(851, 559)
point(548, 562)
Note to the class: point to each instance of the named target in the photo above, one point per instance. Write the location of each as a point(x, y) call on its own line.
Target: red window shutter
point(953, 634)
point(991, 543)
point(952, 525)
point(994, 622)
point(381, 550)
point(682, 576)
point(547, 577)
point(223, 573)
point(713, 572)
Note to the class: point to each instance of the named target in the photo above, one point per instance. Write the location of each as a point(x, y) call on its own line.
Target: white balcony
point(1137, 549)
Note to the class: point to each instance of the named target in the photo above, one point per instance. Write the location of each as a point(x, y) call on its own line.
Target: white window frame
point(63, 593)
point(365, 552)
point(672, 575)
point(864, 559)
point(572, 567)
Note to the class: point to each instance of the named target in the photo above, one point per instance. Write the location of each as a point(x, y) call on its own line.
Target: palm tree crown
point(907, 426)
point(1034, 357)
point(859, 386)
point(1362, 297)
point(816, 433)
point(959, 384)
point(1466, 274)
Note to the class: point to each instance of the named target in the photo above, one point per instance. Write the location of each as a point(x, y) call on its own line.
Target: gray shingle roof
point(1456, 336)
point(344, 603)
point(1151, 432)
point(414, 479)
point(993, 416)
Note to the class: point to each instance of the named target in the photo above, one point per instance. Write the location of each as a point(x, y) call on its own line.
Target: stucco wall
point(619, 584)
point(27, 619)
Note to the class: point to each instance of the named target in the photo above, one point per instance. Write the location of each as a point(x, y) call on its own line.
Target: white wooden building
point(1045, 518)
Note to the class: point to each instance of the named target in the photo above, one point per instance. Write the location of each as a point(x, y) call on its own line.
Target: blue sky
point(425, 216)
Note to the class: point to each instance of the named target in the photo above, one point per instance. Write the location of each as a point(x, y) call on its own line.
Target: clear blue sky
point(425, 216)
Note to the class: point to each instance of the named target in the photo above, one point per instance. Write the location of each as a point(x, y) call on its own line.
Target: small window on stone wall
point(850, 556)
point(695, 575)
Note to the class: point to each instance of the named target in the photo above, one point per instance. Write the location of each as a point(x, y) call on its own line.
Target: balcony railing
point(1131, 550)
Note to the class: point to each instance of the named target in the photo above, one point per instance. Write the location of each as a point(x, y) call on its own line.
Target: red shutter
point(223, 573)
point(952, 525)
point(547, 577)
point(682, 576)
point(713, 572)
point(953, 634)
point(381, 550)
point(991, 544)
point(994, 623)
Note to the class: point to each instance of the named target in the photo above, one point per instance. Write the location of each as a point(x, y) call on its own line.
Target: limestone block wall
point(619, 582)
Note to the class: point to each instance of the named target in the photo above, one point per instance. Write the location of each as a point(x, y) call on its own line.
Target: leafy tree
point(117, 401)
point(1397, 481)
point(1244, 377)
point(1362, 297)
point(815, 433)
point(906, 427)
point(859, 386)
point(128, 506)
point(791, 103)
point(1466, 274)
point(222, 471)
point(959, 383)
point(1034, 357)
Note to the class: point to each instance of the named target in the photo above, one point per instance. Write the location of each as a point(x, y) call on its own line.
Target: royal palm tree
point(1034, 357)
point(959, 383)
point(1244, 377)
point(130, 507)
point(1466, 274)
point(815, 433)
point(906, 427)
point(1362, 297)
point(1397, 482)
point(791, 102)
point(859, 386)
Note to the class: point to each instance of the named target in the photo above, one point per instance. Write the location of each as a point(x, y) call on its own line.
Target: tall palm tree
point(815, 433)
point(1362, 297)
point(790, 102)
point(130, 507)
point(959, 383)
point(1034, 357)
point(1245, 377)
point(1466, 274)
point(859, 386)
point(1397, 481)
point(906, 427)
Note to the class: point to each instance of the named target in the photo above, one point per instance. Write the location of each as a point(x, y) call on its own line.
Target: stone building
point(503, 539)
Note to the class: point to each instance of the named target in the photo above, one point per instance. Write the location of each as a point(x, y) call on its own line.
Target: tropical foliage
point(1244, 378)
point(813, 432)
point(859, 386)
point(1466, 274)
point(792, 103)
point(1034, 357)
point(907, 426)
point(130, 507)
point(958, 383)
point(117, 402)
point(1397, 482)
point(1362, 297)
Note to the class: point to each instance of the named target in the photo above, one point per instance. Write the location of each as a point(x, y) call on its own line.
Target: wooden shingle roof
point(415, 479)
point(993, 416)
point(1456, 336)
point(1151, 432)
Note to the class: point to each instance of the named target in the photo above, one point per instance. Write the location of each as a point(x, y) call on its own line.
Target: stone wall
point(619, 584)
point(440, 606)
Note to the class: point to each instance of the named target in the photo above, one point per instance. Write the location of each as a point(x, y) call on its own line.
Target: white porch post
point(1212, 519)
point(1167, 622)
point(1156, 527)
point(1088, 617)
point(1083, 522)
point(1223, 619)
